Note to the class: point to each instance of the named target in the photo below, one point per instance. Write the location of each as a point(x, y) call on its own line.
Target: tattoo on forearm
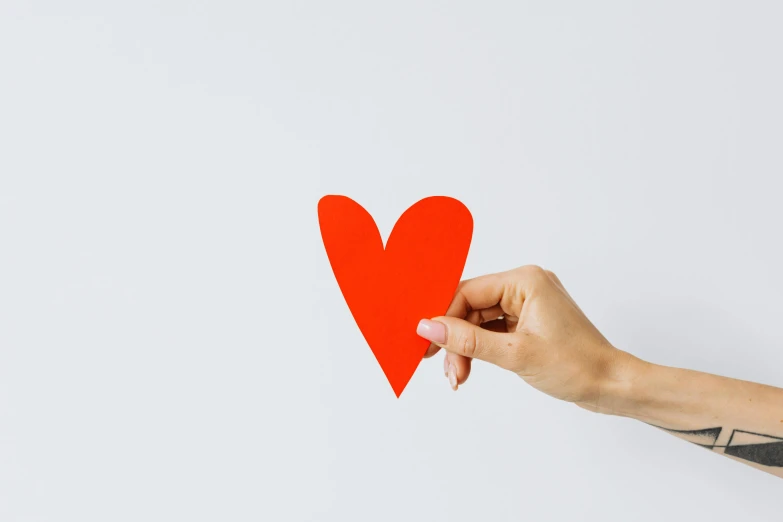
point(766, 450)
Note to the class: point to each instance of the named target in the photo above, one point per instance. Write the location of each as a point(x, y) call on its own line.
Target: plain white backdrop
point(173, 345)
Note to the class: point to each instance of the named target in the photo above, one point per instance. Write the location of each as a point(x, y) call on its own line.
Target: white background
point(173, 345)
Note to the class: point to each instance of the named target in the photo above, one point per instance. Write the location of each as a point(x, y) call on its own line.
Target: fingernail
point(446, 365)
point(453, 377)
point(433, 331)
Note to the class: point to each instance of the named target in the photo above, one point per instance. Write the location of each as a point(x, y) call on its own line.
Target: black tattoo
point(766, 450)
point(705, 438)
point(755, 447)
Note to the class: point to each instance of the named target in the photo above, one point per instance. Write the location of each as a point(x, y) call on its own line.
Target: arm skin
point(739, 419)
point(525, 321)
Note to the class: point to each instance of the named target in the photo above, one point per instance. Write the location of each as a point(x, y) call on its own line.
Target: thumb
point(466, 339)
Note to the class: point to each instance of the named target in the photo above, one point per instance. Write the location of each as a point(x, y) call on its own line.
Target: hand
point(524, 321)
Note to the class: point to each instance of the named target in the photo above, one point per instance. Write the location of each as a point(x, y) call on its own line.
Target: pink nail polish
point(433, 331)
point(453, 377)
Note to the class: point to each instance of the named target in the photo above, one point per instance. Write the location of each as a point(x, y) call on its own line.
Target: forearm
point(740, 419)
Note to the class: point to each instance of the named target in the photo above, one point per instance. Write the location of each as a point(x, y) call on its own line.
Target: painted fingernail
point(433, 331)
point(453, 377)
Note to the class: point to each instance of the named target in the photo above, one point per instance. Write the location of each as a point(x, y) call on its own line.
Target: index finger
point(504, 289)
point(479, 293)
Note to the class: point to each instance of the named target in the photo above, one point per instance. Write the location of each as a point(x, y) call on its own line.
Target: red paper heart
point(389, 290)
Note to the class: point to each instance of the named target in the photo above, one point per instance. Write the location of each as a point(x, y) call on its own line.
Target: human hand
point(524, 321)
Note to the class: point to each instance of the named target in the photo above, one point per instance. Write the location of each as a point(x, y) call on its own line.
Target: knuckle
point(494, 280)
point(467, 343)
point(513, 295)
point(533, 271)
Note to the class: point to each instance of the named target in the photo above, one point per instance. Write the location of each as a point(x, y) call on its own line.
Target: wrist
point(621, 388)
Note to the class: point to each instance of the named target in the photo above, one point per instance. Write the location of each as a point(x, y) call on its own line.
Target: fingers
point(462, 338)
point(507, 290)
point(468, 300)
point(481, 294)
point(456, 368)
point(475, 317)
point(497, 325)
point(482, 301)
point(484, 316)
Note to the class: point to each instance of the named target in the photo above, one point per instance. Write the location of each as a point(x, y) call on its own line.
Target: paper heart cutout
point(388, 290)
